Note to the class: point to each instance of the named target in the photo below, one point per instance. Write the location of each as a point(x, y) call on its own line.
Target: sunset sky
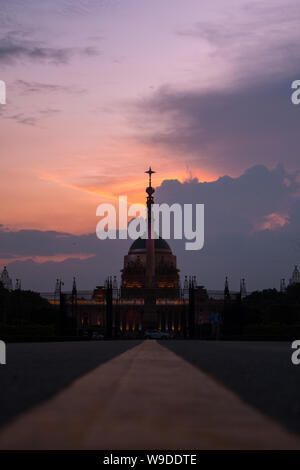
point(98, 90)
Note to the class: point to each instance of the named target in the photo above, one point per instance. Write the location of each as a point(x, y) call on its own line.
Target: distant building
point(134, 272)
point(282, 285)
point(295, 279)
point(6, 280)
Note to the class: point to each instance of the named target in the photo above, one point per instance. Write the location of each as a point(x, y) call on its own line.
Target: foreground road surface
point(147, 397)
point(260, 372)
point(36, 371)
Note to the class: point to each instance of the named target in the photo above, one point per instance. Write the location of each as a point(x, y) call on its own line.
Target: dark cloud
point(246, 121)
point(105, 259)
point(27, 88)
point(45, 243)
point(238, 206)
point(239, 240)
point(13, 47)
point(233, 128)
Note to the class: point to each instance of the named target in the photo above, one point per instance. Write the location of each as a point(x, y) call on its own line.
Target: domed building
point(149, 297)
point(135, 266)
point(150, 268)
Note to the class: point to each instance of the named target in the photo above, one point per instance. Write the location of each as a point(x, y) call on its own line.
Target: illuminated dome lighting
point(140, 245)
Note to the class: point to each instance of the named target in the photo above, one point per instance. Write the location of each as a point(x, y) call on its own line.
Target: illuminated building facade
point(149, 296)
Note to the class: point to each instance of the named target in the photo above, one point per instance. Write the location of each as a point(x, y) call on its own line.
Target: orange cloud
point(272, 221)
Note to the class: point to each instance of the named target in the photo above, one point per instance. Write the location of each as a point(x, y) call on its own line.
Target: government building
point(150, 295)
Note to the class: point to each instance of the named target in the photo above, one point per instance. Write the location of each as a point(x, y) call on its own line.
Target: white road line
point(146, 398)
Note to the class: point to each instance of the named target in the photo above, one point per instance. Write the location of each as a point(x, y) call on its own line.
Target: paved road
point(260, 372)
point(36, 371)
point(122, 386)
point(147, 398)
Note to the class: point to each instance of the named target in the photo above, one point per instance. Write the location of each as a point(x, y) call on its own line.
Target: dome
point(159, 244)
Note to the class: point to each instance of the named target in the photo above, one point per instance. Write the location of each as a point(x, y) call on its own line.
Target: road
point(36, 371)
point(149, 394)
point(260, 372)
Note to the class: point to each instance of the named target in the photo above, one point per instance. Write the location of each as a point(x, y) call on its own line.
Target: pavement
point(36, 371)
point(261, 373)
point(154, 395)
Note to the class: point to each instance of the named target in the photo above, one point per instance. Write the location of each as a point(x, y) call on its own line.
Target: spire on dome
point(150, 173)
point(150, 270)
point(149, 190)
